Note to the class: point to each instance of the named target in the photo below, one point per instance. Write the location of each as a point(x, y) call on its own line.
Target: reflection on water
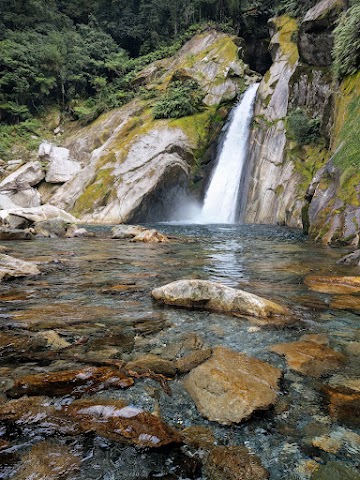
point(92, 303)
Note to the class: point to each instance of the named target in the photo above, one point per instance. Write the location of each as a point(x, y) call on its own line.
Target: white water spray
point(221, 200)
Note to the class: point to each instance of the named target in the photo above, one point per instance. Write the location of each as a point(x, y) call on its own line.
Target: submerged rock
point(11, 267)
point(110, 419)
point(75, 382)
point(234, 463)
point(48, 461)
point(216, 297)
point(346, 302)
point(310, 358)
point(230, 386)
point(343, 394)
point(153, 363)
point(335, 471)
point(341, 285)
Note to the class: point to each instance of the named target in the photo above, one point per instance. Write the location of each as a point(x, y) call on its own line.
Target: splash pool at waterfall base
point(84, 321)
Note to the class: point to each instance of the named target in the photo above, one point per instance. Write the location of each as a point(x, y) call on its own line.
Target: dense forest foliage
point(82, 55)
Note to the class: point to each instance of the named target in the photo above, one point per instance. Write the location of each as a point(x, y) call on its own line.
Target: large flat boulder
point(230, 386)
point(11, 267)
point(34, 215)
point(29, 174)
point(216, 297)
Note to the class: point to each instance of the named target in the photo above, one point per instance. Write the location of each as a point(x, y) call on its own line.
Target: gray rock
point(315, 40)
point(10, 234)
point(352, 259)
point(11, 267)
point(126, 231)
point(216, 297)
point(26, 198)
point(35, 214)
point(61, 167)
point(27, 175)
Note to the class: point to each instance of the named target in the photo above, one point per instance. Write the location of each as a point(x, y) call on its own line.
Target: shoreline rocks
point(11, 267)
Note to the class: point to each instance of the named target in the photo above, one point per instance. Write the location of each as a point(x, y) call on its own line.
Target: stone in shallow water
point(11, 267)
point(310, 358)
point(230, 386)
point(150, 236)
point(153, 363)
point(48, 461)
point(344, 399)
point(121, 232)
point(346, 302)
point(110, 419)
point(341, 285)
point(234, 463)
point(216, 297)
point(335, 471)
point(75, 382)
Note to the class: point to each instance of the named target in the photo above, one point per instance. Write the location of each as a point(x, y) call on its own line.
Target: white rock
point(35, 214)
point(61, 167)
point(11, 267)
point(27, 175)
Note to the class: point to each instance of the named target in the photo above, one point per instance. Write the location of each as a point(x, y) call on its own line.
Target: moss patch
point(96, 194)
point(287, 28)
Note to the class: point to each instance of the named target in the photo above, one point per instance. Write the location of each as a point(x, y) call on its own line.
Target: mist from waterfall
point(221, 199)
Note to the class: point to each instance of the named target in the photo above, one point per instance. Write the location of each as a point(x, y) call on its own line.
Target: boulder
point(216, 297)
point(310, 358)
point(335, 470)
point(61, 167)
point(28, 197)
point(35, 214)
point(341, 285)
point(343, 395)
point(11, 267)
point(315, 40)
point(27, 175)
point(150, 236)
point(353, 259)
point(234, 463)
point(10, 234)
point(6, 202)
point(121, 232)
point(230, 386)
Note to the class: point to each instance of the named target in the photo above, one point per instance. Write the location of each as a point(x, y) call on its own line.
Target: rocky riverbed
point(100, 380)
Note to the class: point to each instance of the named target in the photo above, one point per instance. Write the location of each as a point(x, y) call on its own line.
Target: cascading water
point(221, 200)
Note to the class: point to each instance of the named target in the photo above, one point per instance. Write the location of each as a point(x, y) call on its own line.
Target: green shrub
point(182, 98)
point(346, 51)
point(301, 128)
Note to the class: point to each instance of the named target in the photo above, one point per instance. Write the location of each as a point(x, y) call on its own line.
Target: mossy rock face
point(137, 166)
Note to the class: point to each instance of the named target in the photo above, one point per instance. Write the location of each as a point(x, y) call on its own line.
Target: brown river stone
point(340, 285)
point(309, 358)
point(234, 463)
point(346, 302)
point(230, 386)
point(75, 382)
point(110, 419)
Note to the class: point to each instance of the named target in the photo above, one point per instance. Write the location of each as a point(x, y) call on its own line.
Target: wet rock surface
point(340, 285)
point(230, 386)
point(11, 267)
point(234, 463)
point(213, 296)
point(310, 358)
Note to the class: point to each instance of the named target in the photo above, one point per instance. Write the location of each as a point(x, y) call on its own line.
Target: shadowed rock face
point(214, 296)
point(230, 386)
point(315, 41)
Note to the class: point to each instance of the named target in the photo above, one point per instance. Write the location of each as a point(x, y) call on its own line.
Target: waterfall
point(221, 200)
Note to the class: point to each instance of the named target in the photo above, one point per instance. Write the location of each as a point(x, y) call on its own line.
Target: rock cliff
point(136, 168)
point(312, 184)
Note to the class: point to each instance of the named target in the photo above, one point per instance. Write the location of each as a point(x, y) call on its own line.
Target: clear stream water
point(269, 261)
